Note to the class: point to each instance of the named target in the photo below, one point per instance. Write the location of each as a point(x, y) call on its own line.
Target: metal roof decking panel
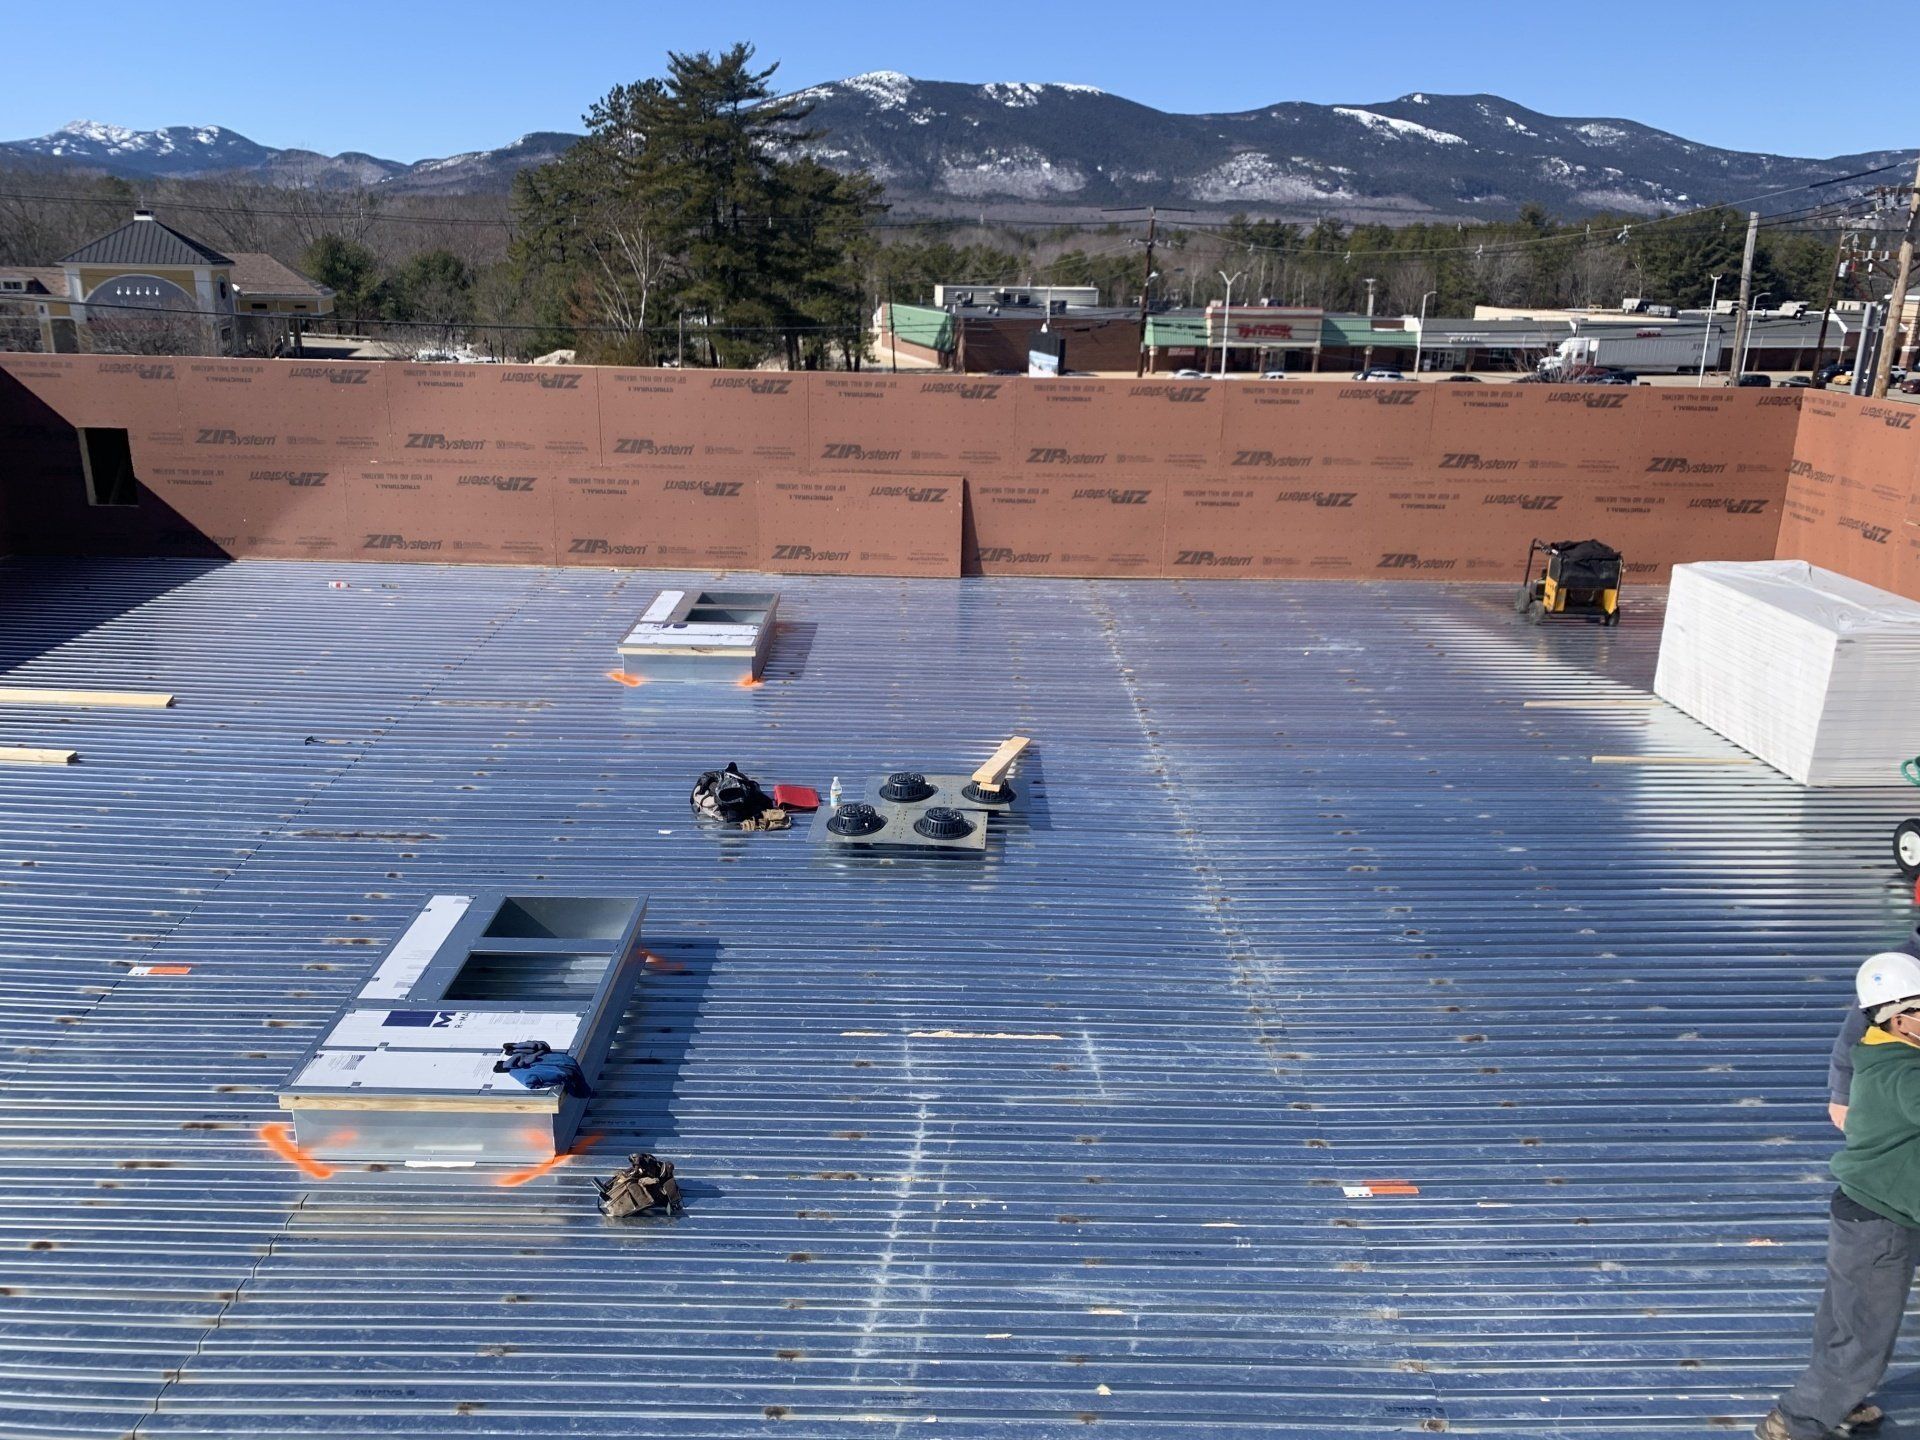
point(1300, 893)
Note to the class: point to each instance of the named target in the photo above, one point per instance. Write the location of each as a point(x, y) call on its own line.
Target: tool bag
point(728, 795)
point(646, 1184)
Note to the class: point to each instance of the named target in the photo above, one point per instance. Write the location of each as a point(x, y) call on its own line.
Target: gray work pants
point(1869, 1270)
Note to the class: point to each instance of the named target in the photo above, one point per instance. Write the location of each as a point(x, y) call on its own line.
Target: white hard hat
point(1888, 977)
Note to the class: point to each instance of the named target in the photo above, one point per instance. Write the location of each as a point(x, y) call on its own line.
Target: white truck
point(1649, 350)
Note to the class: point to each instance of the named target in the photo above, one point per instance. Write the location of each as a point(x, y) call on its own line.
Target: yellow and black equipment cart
point(1577, 577)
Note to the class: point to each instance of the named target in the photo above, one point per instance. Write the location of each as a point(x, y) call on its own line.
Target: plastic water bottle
point(833, 793)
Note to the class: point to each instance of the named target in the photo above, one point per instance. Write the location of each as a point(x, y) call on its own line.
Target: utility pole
point(1146, 278)
point(1740, 320)
point(1826, 306)
point(1146, 286)
point(1897, 302)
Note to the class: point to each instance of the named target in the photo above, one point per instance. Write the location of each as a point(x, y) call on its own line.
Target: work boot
point(1774, 1427)
point(1864, 1416)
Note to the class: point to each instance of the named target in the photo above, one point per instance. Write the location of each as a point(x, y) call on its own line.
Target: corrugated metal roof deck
point(1305, 896)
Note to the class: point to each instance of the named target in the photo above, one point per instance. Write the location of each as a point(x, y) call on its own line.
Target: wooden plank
point(1674, 760)
point(97, 699)
point(995, 770)
point(27, 755)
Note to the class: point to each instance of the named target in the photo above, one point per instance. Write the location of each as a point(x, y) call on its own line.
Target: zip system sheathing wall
point(1304, 895)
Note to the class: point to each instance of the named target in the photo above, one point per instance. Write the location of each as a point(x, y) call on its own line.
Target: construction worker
point(1852, 1027)
point(1871, 1236)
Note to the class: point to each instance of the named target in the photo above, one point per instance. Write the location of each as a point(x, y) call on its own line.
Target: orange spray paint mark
point(542, 1167)
point(662, 964)
point(620, 677)
point(747, 682)
point(280, 1140)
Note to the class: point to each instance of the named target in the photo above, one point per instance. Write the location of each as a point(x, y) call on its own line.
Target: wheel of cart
point(1906, 835)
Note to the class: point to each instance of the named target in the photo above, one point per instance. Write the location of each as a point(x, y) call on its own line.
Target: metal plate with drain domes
point(943, 790)
point(882, 825)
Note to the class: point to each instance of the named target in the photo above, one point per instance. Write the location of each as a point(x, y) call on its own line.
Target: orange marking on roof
point(662, 964)
point(280, 1140)
point(620, 677)
point(542, 1167)
point(747, 682)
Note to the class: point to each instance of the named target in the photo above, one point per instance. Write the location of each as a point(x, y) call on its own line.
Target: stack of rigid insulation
point(1815, 673)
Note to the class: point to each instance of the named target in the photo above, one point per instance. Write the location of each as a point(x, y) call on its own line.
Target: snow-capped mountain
point(940, 146)
point(1439, 155)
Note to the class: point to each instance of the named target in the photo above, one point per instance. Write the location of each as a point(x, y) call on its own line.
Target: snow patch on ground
point(1252, 176)
point(1513, 124)
point(1602, 134)
point(1020, 171)
point(1078, 89)
point(1398, 129)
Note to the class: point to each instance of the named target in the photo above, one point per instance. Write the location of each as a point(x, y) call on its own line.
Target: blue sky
point(408, 79)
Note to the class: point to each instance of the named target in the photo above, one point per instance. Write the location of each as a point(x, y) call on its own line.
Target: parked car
point(1191, 375)
point(1797, 382)
point(1751, 381)
point(1828, 373)
point(1840, 380)
point(1602, 377)
point(1275, 375)
point(1460, 379)
point(1380, 376)
point(1910, 385)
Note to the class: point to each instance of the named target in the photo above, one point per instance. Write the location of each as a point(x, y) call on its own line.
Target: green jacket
point(1880, 1166)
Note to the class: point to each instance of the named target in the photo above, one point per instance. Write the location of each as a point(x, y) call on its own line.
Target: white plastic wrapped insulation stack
point(1815, 673)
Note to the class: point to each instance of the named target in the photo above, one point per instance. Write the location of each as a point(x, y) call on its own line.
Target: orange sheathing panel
point(1117, 430)
point(699, 519)
point(266, 408)
point(824, 524)
point(1853, 501)
point(442, 513)
point(670, 419)
point(1037, 524)
point(1325, 433)
point(506, 413)
point(1250, 524)
point(137, 393)
point(259, 506)
point(938, 424)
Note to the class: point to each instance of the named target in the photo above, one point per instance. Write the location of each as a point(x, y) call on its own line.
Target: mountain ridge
point(946, 147)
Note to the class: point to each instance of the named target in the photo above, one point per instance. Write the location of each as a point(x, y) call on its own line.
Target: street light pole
point(1713, 302)
point(1366, 355)
point(1420, 335)
point(1226, 317)
point(1747, 349)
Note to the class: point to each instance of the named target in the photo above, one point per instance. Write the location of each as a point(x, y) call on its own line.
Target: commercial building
point(145, 285)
